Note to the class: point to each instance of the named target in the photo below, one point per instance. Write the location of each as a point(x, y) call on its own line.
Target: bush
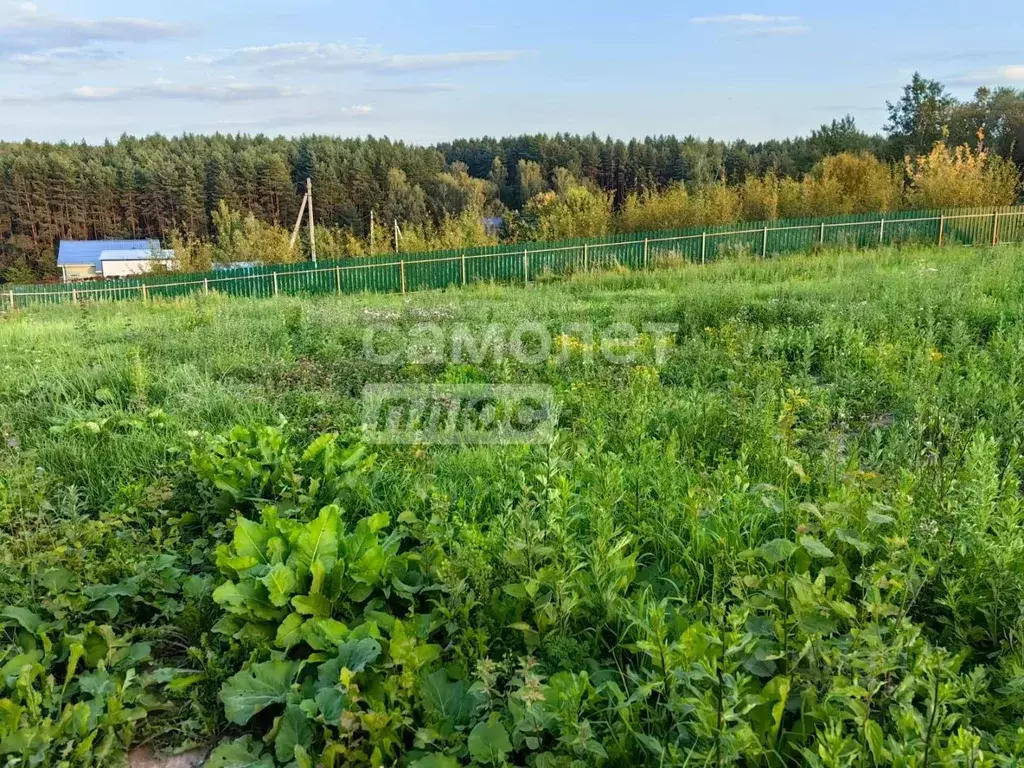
point(246, 238)
point(576, 212)
point(650, 211)
point(960, 178)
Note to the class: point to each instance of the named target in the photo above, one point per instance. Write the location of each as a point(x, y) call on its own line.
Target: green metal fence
point(402, 273)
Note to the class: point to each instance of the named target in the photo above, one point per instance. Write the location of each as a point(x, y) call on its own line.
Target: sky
point(424, 71)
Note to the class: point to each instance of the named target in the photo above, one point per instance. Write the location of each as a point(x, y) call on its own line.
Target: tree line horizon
point(235, 197)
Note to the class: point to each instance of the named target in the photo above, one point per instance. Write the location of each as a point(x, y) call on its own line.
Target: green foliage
point(202, 190)
point(244, 238)
point(795, 540)
point(576, 211)
point(77, 695)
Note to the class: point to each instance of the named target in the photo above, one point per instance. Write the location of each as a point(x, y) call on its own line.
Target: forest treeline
point(235, 197)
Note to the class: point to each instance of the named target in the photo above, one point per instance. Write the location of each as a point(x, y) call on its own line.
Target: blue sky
point(429, 71)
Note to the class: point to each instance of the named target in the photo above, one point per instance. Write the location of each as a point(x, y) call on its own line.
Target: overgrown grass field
point(794, 539)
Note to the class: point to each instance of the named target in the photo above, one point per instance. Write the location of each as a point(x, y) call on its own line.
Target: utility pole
point(312, 224)
point(298, 222)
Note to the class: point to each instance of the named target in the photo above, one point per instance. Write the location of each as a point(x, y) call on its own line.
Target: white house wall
point(133, 267)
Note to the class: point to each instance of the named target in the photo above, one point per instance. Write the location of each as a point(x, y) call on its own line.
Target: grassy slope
point(802, 392)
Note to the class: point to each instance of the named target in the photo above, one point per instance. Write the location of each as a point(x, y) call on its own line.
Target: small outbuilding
point(88, 259)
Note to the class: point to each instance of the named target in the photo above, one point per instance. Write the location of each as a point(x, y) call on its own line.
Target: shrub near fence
point(522, 263)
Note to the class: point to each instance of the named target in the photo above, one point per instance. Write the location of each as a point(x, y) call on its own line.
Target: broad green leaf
point(318, 541)
point(58, 580)
point(450, 702)
point(815, 548)
point(796, 468)
point(293, 731)
point(254, 689)
point(280, 583)
point(877, 518)
point(312, 605)
point(777, 689)
point(354, 655)
point(378, 522)
point(290, 631)
point(12, 668)
point(240, 753)
point(778, 550)
point(324, 634)
point(848, 537)
point(250, 539)
point(246, 598)
point(318, 446)
point(816, 624)
point(489, 742)
point(331, 703)
point(876, 741)
point(24, 617)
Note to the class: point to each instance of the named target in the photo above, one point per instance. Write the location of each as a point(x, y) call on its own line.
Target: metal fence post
point(401, 267)
point(764, 244)
point(337, 279)
point(275, 283)
point(942, 227)
point(463, 264)
point(526, 267)
point(646, 256)
point(822, 238)
point(995, 228)
point(703, 246)
point(881, 232)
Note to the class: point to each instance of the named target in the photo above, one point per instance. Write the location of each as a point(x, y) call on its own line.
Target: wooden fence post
point(463, 260)
point(337, 279)
point(703, 246)
point(74, 295)
point(586, 257)
point(206, 285)
point(526, 267)
point(881, 233)
point(145, 293)
point(764, 243)
point(401, 266)
point(942, 227)
point(275, 283)
point(11, 295)
point(646, 256)
point(821, 239)
point(995, 228)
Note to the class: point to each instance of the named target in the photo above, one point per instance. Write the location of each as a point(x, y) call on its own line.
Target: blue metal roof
point(76, 252)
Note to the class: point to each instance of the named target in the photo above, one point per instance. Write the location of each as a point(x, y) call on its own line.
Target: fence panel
point(394, 273)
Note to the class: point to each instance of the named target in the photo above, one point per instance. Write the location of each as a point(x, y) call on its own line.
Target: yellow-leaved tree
point(960, 177)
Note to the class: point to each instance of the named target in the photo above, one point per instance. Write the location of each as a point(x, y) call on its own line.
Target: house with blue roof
point(89, 259)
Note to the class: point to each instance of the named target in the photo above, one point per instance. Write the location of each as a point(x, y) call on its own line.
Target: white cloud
point(57, 57)
point(414, 88)
point(744, 18)
point(1006, 74)
point(232, 92)
point(353, 57)
point(223, 93)
point(23, 29)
